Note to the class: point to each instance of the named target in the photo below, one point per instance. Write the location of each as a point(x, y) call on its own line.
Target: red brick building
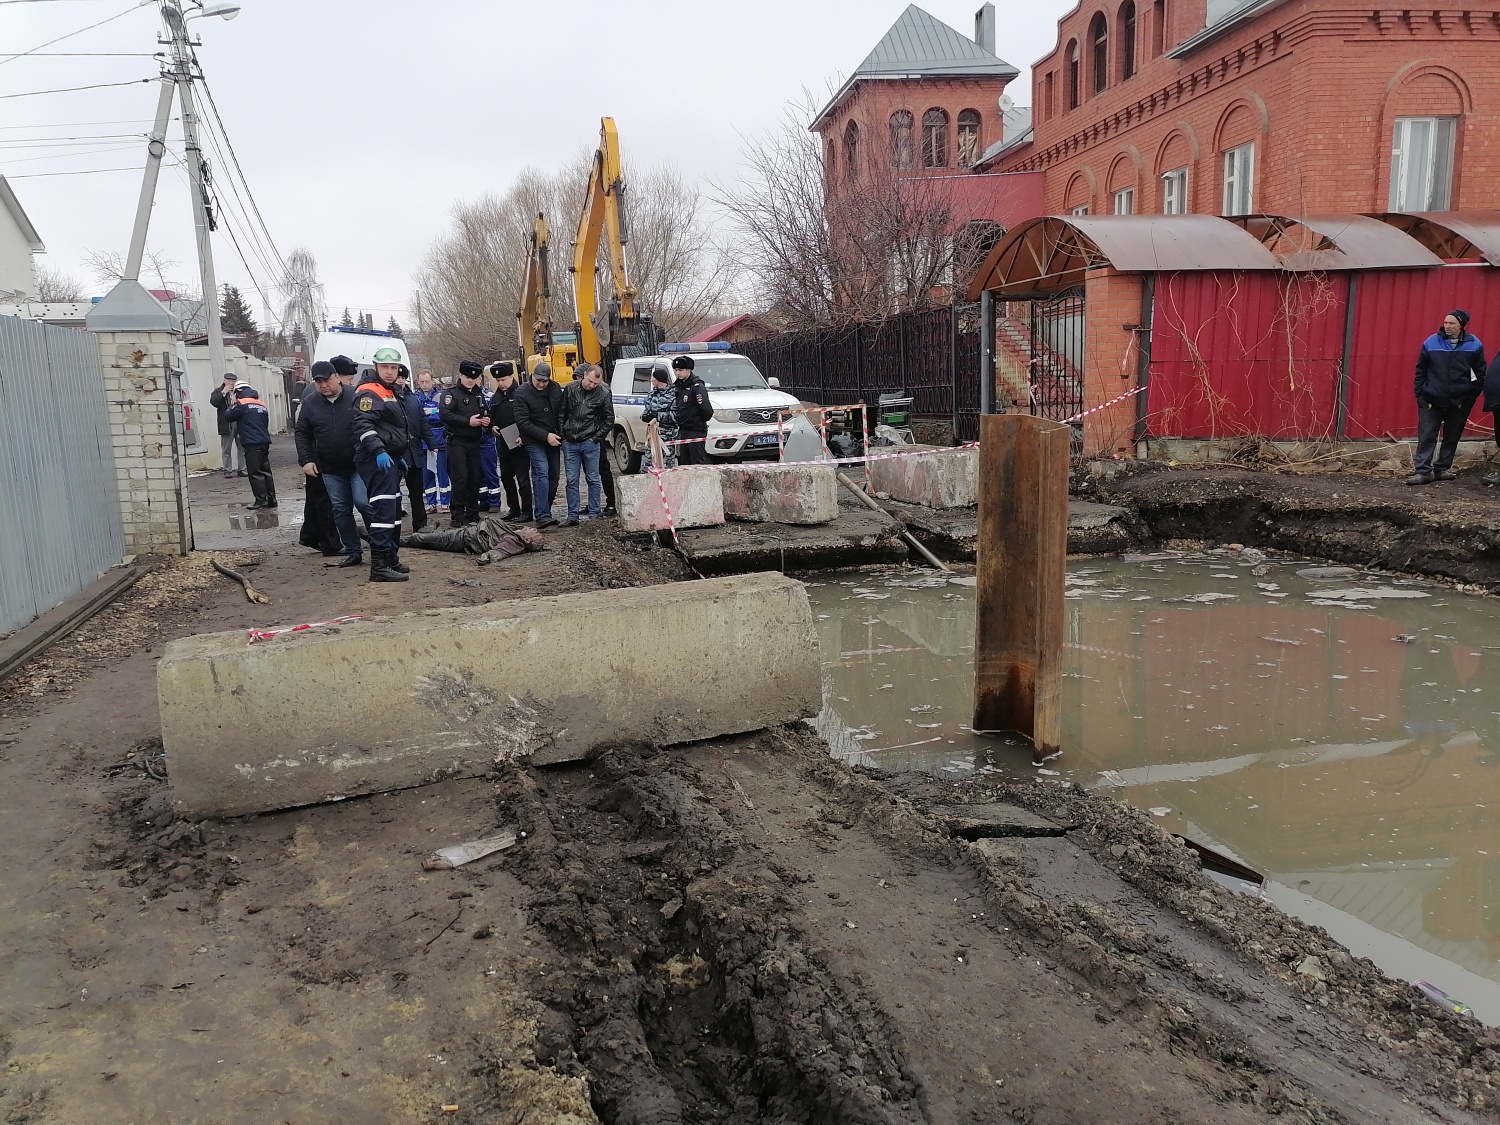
point(1290, 107)
point(925, 106)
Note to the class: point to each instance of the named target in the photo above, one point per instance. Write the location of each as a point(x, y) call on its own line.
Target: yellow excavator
point(619, 329)
point(533, 321)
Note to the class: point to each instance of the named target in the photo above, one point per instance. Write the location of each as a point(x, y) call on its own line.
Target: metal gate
point(1056, 337)
point(60, 507)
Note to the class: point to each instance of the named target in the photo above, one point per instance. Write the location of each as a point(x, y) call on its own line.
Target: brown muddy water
point(1339, 732)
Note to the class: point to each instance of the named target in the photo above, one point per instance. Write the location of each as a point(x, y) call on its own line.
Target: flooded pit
point(1338, 731)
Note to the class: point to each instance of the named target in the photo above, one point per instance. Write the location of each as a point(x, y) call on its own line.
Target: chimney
point(984, 28)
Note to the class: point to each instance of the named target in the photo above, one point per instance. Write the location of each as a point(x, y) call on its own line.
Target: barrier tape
point(671, 522)
point(833, 460)
point(270, 634)
point(1105, 405)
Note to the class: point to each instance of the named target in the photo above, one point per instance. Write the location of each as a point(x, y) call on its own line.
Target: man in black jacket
point(1450, 373)
point(536, 406)
point(464, 415)
point(381, 441)
point(253, 419)
point(515, 465)
point(588, 418)
point(325, 450)
point(222, 400)
point(693, 411)
point(422, 439)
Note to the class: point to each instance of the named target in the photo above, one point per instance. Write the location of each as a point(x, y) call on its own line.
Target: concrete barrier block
point(946, 479)
point(695, 495)
point(392, 702)
point(796, 493)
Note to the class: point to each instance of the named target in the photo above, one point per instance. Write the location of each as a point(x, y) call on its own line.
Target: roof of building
point(1016, 131)
point(920, 45)
point(1337, 242)
point(714, 331)
point(1452, 234)
point(9, 201)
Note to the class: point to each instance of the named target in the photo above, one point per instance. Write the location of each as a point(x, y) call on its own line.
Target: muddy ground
point(1450, 529)
point(736, 931)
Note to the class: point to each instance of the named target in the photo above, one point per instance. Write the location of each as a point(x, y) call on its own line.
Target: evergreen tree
point(299, 338)
point(395, 329)
point(234, 315)
point(348, 321)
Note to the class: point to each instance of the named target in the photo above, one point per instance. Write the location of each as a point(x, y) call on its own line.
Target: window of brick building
point(1239, 179)
point(1049, 105)
point(1174, 192)
point(935, 138)
point(1124, 201)
point(1099, 51)
point(1422, 163)
point(828, 160)
point(1072, 74)
point(851, 151)
point(1081, 209)
point(901, 129)
point(968, 138)
point(1158, 27)
point(1126, 24)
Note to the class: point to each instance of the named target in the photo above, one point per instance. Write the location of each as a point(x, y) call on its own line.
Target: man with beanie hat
point(1450, 374)
point(222, 400)
point(325, 449)
point(346, 369)
point(253, 418)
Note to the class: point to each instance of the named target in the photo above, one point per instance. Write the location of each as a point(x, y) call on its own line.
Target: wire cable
point(219, 123)
point(73, 89)
point(69, 35)
point(81, 172)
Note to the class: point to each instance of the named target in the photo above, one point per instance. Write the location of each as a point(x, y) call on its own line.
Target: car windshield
point(728, 373)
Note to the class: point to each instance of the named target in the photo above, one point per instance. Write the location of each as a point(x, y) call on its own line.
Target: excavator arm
point(601, 334)
point(533, 325)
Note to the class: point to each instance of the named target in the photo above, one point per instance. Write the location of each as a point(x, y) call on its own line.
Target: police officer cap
point(245, 390)
point(344, 365)
point(322, 370)
point(682, 362)
point(469, 369)
point(502, 368)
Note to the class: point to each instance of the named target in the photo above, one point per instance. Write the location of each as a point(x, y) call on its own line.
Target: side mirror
point(773, 382)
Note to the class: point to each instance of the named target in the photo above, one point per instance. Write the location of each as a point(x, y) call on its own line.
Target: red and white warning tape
point(271, 634)
point(1105, 405)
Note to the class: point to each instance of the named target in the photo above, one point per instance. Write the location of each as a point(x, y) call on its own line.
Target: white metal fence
point(59, 511)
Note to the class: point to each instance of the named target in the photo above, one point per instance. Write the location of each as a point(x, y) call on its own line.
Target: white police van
point(746, 404)
point(360, 345)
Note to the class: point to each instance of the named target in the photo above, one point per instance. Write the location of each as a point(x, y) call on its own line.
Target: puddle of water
point(1339, 732)
point(236, 517)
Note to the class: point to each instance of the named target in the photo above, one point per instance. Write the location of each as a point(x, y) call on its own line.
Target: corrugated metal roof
point(1337, 242)
point(920, 45)
point(1052, 253)
point(1452, 234)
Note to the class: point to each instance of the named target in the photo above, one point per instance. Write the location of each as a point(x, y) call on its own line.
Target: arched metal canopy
point(1452, 234)
point(1337, 242)
point(1049, 254)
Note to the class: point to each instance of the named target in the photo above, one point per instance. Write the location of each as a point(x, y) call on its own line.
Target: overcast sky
point(359, 124)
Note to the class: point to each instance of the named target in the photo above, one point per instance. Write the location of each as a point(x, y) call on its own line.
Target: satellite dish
point(1007, 103)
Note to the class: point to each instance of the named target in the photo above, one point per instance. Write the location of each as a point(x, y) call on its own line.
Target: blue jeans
point(345, 493)
point(544, 459)
point(586, 453)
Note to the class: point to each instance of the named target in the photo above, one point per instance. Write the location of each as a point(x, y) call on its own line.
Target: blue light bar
point(356, 330)
point(712, 346)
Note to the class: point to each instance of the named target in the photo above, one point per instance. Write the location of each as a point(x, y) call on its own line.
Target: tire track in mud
point(747, 931)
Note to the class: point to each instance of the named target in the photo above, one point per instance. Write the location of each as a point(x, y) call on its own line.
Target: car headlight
point(726, 415)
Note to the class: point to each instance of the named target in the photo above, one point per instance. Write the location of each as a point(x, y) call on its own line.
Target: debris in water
point(1362, 594)
point(1327, 573)
point(1209, 597)
point(1160, 810)
point(1441, 998)
point(1281, 640)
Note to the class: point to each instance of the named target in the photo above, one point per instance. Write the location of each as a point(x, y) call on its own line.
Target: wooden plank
point(32, 640)
point(1021, 555)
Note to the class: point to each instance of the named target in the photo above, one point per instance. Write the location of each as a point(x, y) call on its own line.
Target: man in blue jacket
point(1450, 373)
point(435, 473)
point(253, 418)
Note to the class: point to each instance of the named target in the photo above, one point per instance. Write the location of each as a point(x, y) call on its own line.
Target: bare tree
point(54, 286)
point(469, 285)
point(302, 295)
point(108, 266)
point(824, 254)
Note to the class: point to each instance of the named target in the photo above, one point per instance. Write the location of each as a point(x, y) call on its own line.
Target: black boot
point(346, 562)
point(394, 559)
point(381, 569)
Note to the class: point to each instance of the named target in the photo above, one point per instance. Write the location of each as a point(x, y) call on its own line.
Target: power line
point(73, 89)
point(69, 155)
point(77, 124)
point(69, 35)
point(219, 122)
point(86, 54)
point(82, 172)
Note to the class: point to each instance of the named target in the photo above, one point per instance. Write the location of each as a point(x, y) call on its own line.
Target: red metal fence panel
point(1237, 353)
point(1394, 311)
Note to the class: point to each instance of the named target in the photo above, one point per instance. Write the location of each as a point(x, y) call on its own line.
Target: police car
point(746, 404)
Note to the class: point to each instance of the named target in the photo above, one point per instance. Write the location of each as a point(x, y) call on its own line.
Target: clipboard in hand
point(511, 436)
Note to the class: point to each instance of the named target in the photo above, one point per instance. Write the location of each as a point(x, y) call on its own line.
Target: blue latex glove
point(383, 459)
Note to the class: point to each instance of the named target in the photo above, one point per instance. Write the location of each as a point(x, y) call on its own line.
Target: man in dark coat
point(536, 406)
point(1450, 372)
point(515, 465)
point(1492, 404)
point(325, 449)
point(222, 400)
point(465, 416)
point(382, 440)
point(588, 419)
point(253, 418)
point(693, 411)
